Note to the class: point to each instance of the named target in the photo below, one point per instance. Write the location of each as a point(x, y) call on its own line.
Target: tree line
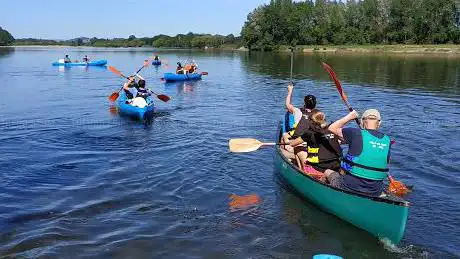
point(327, 22)
point(189, 40)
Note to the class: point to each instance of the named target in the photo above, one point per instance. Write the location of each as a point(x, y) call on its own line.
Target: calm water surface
point(79, 181)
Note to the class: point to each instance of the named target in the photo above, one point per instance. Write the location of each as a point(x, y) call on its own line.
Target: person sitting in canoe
point(179, 69)
point(324, 151)
point(141, 90)
point(187, 68)
point(67, 59)
point(193, 67)
point(365, 166)
point(86, 59)
point(301, 118)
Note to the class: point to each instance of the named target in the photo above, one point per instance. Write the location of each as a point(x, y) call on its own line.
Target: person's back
point(366, 162)
point(67, 59)
point(322, 150)
point(365, 166)
point(187, 68)
point(141, 90)
point(179, 68)
point(301, 117)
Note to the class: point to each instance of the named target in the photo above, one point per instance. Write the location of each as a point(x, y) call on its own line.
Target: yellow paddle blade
point(240, 145)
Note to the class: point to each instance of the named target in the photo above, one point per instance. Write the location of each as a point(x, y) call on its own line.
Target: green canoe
point(382, 217)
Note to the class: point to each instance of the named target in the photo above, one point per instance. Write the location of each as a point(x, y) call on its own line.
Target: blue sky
point(65, 19)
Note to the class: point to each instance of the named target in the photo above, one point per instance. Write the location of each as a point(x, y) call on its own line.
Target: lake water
point(79, 181)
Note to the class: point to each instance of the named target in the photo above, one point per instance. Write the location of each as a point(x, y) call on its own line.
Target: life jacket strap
point(364, 166)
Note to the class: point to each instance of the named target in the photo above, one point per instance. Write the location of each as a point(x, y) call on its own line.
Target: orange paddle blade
point(163, 97)
point(114, 96)
point(241, 202)
point(115, 71)
point(336, 81)
point(397, 187)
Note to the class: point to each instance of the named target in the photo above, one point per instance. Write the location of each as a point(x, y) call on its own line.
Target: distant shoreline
point(445, 49)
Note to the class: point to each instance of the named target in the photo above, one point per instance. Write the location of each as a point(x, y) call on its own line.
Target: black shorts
point(332, 165)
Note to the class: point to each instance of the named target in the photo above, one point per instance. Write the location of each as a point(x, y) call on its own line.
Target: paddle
point(339, 88)
point(292, 63)
point(162, 97)
point(243, 145)
point(395, 187)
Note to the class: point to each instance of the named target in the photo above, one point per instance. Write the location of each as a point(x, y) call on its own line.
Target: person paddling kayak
point(365, 166)
point(67, 59)
point(179, 69)
point(86, 59)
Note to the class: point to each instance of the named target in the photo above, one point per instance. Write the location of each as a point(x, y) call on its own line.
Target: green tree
point(5, 37)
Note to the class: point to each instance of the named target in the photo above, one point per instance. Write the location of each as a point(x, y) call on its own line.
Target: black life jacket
point(323, 146)
point(303, 125)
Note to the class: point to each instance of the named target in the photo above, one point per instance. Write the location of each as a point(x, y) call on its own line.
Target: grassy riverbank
point(447, 49)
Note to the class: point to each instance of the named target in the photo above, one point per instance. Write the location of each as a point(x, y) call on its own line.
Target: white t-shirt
point(297, 115)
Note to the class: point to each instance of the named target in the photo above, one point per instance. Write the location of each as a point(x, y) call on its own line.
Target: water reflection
point(5, 52)
point(434, 74)
point(183, 87)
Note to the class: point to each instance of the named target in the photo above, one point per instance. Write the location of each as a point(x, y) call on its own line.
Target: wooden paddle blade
point(241, 145)
point(114, 96)
point(204, 73)
point(397, 187)
point(163, 97)
point(162, 79)
point(115, 71)
point(336, 81)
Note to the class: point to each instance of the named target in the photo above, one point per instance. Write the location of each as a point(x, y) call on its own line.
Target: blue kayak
point(134, 111)
point(91, 63)
point(171, 77)
point(156, 62)
point(326, 256)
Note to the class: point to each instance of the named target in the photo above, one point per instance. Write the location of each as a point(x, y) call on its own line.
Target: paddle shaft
point(292, 62)
point(340, 89)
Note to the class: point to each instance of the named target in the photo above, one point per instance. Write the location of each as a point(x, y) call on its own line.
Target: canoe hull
point(171, 77)
point(133, 111)
point(156, 62)
point(382, 218)
point(96, 63)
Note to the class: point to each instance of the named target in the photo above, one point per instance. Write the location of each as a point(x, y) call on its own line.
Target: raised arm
point(126, 85)
point(289, 106)
point(338, 125)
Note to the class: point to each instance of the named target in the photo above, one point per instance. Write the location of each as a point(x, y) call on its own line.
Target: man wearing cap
point(365, 166)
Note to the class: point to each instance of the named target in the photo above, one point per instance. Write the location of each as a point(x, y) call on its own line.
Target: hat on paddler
point(372, 114)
